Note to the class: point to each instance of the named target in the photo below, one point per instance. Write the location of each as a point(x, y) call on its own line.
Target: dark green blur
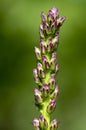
point(19, 23)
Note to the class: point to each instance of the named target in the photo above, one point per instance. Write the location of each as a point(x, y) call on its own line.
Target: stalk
point(46, 70)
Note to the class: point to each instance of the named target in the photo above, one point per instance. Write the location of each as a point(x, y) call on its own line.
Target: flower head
point(46, 69)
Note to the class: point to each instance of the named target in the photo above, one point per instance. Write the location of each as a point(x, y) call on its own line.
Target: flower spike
point(46, 69)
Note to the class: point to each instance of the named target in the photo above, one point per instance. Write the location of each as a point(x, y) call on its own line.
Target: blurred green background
point(19, 23)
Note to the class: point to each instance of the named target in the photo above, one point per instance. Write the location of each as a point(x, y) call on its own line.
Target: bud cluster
point(46, 69)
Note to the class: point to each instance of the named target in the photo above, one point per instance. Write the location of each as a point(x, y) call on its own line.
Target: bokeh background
point(19, 23)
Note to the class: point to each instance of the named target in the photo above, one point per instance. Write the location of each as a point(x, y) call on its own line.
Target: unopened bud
point(43, 123)
point(54, 124)
point(46, 27)
point(35, 75)
point(45, 62)
point(51, 106)
point(60, 21)
point(43, 46)
point(55, 41)
point(40, 70)
point(38, 53)
point(52, 83)
point(44, 17)
point(53, 26)
point(45, 90)
point(53, 14)
point(36, 123)
point(38, 96)
point(55, 93)
point(53, 61)
point(41, 31)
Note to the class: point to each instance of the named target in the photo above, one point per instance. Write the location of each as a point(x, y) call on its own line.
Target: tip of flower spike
point(54, 10)
point(53, 14)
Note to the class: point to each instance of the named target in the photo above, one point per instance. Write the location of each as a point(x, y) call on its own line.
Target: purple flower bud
point(38, 96)
point(46, 27)
point(50, 45)
point(45, 90)
point(54, 26)
point(53, 57)
point(52, 14)
point(41, 31)
point(53, 61)
point(55, 93)
point(46, 63)
point(40, 70)
point(35, 75)
point(38, 53)
point(60, 21)
point(44, 17)
point(54, 124)
point(52, 83)
point(43, 123)
point(36, 123)
point(55, 41)
point(51, 106)
point(43, 46)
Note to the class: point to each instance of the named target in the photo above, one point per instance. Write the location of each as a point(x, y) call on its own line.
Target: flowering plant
point(46, 70)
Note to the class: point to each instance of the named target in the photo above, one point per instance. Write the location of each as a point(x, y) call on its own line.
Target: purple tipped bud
point(60, 21)
point(42, 46)
point(51, 106)
point(38, 53)
point(55, 93)
point(45, 62)
point(35, 75)
point(38, 96)
point(50, 45)
point(52, 14)
point(40, 70)
point(36, 123)
point(54, 26)
point(41, 31)
point(53, 61)
point(55, 41)
point(54, 57)
point(44, 17)
point(43, 123)
point(45, 90)
point(46, 27)
point(52, 83)
point(54, 124)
